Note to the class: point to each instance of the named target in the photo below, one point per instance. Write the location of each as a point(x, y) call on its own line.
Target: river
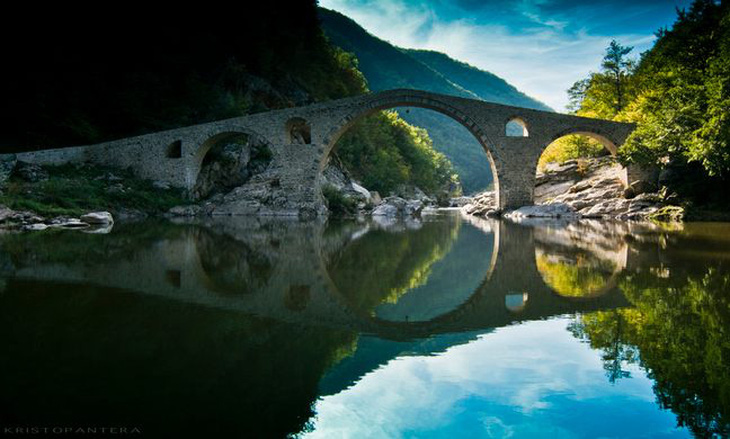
point(445, 327)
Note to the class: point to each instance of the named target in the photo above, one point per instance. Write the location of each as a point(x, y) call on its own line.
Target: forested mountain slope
point(386, 67)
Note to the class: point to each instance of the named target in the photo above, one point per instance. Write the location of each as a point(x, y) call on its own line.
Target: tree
point(618, 68)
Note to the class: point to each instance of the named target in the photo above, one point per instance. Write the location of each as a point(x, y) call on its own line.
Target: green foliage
point(338, 203)
point(73, 190)
point(382, 266)
point(570, 148)
point(680, 325)
point(384, 153)
point(678, 94)
point(602, 95)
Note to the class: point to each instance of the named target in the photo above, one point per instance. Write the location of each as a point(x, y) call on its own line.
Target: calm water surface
point(447, 327)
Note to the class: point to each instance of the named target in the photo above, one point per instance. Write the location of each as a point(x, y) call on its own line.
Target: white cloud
point(543, 60)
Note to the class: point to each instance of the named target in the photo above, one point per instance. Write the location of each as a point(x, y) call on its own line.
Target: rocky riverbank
point(589, 188)
point(36, 198)
point(20, 220)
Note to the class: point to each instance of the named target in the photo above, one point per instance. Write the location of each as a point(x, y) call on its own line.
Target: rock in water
point(98, 218)
point(554, 210)
point(398, 207)
point(384, 209)
point(362, 191)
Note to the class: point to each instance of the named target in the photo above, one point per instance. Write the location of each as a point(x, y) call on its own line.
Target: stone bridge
point(301, 140)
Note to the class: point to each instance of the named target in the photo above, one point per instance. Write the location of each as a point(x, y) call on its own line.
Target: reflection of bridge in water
point(277, 269)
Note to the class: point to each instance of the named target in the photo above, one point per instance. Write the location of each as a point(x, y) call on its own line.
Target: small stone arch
point(174, 150)
point(516, 127)
point(298, 131)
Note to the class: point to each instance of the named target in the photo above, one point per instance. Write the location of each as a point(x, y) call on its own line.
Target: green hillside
point(387, 67)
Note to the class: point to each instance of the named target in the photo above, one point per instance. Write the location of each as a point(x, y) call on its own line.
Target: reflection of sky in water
point(451, 282)
point(529, 380)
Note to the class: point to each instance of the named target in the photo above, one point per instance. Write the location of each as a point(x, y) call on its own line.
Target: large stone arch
point(410, 98)
point(604, 138)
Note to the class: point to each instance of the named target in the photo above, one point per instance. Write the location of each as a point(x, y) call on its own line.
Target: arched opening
point(516, 302)
point(467, 150)
point(579, 168)
point(228, 160)
point(298, 131)
point(174, 150)
point(516, 127)
point(297, 297)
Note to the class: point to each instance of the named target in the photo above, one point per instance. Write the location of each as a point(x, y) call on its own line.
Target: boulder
point(387, 210)
point(398, 207)
point(97, 218)
point(364, 193)
point(376, 198)
point(189, 210)
point(414, 208)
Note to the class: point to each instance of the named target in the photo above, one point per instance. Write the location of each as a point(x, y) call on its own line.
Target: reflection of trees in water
point(606, 330)
point(382, 266)
point(232, 267)
point(573, 272)
point(681, 326)
point(75, 354)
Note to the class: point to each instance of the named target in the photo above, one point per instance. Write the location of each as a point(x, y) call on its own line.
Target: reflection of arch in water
point(372, 318)
point(578, 280)
point(513, 272)
point(446, 283)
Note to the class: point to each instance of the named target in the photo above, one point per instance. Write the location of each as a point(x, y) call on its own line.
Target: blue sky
point(528, 380)
point(540, 46)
